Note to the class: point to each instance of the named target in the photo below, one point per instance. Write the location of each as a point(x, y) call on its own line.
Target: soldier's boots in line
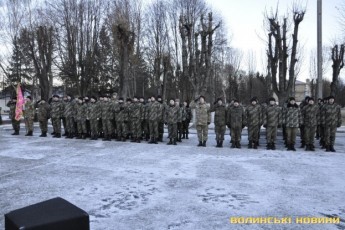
point(43, 134)
point(291, 147)
point(309, 147)
point(107, 138)
point(57, 135)
point(202, 143)
point(253, 145)
point(16, 132)
point(303, 144)
point(330, 148)
point(219, 144)
point(179, 139)
point(153, 140)
point(271, 146)
point(172, 141)
point(29, 134)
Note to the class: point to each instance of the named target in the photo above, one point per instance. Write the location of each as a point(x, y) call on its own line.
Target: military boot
point(16, 132)
point(273, 146)
point(269, 146)
point(43, 134)
point(238, 144)
point(174, 141)
point(184, 136)
point(307, 147)
point(233, 145)
point(328, 148)
point(217, 146)
point(332, 148)
point(220, 144)
point(134, 140)
point(255, 145)
point(250, 145)
point(155, 140)
point(138, 139)
point(57, 135)
point(312, 147)
point(187, 135)
point(303, 144)
point(170, 142)
point(179, 137)
point(79, 136)
point(293, 147)
point(204, 143)
point(29, 134)
point(200, 144)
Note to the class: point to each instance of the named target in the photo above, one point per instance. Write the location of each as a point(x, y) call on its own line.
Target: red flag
point(20, 103)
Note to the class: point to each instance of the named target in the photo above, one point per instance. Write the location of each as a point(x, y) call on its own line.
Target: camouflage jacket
point(29, 110)
point(220, 114)
point(93, 111)
point(180, 113)
point(136, 111)
point(272, 116)
point(81, 112)
point(331, 115)
point(69, 109)
point(107, 110)
point(187, 115)
point(171, 114)
point(121, 112)
point(12, 106)
point(202, 113)
point(56, 109)
point(155, 111)
point(292, 116)
point(311, 115)
point(63, 104)
point(43, 112)
point(236, 117)
point(253, 115)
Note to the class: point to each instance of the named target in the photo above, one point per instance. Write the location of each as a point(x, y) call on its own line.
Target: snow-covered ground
point(142, 186)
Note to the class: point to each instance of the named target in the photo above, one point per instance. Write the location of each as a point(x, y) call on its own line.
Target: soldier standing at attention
point(292, 120)
point(63, 117)
point(272, 119)
point(220, 117)
point(121, 116)
point(171, 117)
point(160, 118)
point(301, 128)
point(322, 127)
point(15, 124)
point(179, 119)
point(236, 121)
point(100, 123)
point(253, 118)
point(106, 114)
point(93, 114)
point(331, 120)
point(136, 113)
point(43, 116)
point(144, 123)
point(81, 119)
point(186, 118)
point(68, 113)
point(29, 115)
point(155, 111)
point(128, 122)
point(310, 116)
point(202, 119)
point(56, 111)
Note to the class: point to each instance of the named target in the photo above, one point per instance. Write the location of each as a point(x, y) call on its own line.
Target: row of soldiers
point(109, 117)
point(310, 117)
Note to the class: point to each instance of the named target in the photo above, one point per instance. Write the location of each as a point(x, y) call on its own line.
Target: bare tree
point(282, 59)
point(338, 64)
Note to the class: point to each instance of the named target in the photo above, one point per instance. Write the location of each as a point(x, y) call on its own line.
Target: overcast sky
point(244, 21)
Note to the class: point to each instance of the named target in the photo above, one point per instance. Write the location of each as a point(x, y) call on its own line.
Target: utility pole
point(319, 48)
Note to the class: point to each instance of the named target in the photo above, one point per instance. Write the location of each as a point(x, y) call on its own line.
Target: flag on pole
point(20, 103)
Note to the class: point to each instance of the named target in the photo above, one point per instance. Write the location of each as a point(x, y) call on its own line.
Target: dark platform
point(54, 214)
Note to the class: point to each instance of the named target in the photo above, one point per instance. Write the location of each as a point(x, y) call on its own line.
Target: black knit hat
point(253, 99)
point(94, 97)
point(271, 99)
point(235, 100)
point(129, 99)
point(311, 99)
point(80, 98)
point(202, 97)
point(219, 99)
point(331, 97)
point(121, 99)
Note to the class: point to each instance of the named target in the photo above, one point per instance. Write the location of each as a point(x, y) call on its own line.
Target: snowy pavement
point(142, 186)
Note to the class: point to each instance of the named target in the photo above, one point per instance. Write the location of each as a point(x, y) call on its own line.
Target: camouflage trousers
point(309, 134)
point(271, 134)
point(100, 125)
point(121, 128)
point(154, 129)
point(81, 126)
point(291, 133)
point(220, 131)
point(202, 131)
point(56, 122)
point(29, 124)
point(330, 132)
point(64, 123)
point(69, 125)
point(235, 133)
point(301, 130)
point(179, 128)
point(94, 127)
point(172, 130)
point(253, 133)
point(43, 126)
point(185, 126)
point(160, 129)
point(15, 124)
point(107, 126)
point(136, 128)
point(145, 127)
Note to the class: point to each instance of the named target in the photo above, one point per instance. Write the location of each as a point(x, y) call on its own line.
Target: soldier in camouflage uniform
point(15, 124)
point(81, 119)
point(63, 118)
point(202, 119)
point(301, 128)
point(43, 116)
point(56, 111)
point(331, 120)
point(113, 102)
point(220, 117)
point(94, 113)
point(121, 115)
point(254, 119)
point(161, 119)
point(236, 121)
point(180, 120)
point(136, 113)
point(144, 123)
point(311, 118)
point(186, 118)
point(318, 129)
point(171, 116)
point(86, 102)
point(100, 123)
point(292, 119)
point(129, 121)
point(322, 127)
point(69, 111)
point(107, 115)
point(29, 115)
point(155, 114)
point(272, 119)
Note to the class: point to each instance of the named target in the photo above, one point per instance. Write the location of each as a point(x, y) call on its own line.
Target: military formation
point(137, 120)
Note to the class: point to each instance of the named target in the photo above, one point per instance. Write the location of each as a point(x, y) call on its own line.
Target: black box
point(54, 214)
